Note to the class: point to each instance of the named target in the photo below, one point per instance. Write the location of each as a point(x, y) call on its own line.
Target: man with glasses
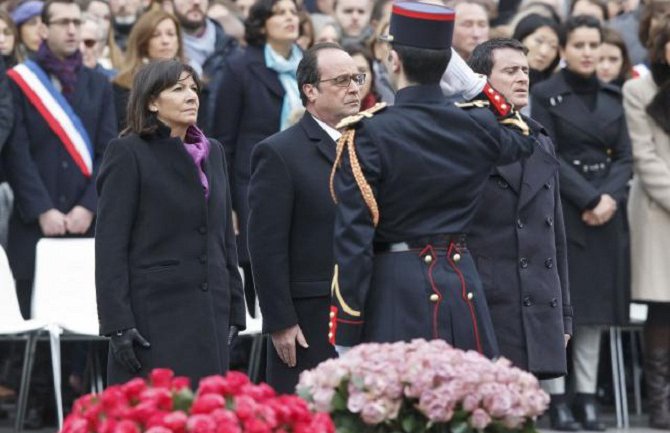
point(407, 182)
point(291, 216)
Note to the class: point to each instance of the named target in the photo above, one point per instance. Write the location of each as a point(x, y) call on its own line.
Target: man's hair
point(481, 59)
point(573, 23)
point(422, 66)
point(47, 7)
point(308, 68)
point(254, 25)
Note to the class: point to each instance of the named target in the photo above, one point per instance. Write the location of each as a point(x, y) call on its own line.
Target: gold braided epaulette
point(355, 118)
point(346, 141)
point(477, 103)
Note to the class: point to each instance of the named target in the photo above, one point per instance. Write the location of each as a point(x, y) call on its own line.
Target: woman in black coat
point(168, 286)
point(585, 119)
point(257, 96)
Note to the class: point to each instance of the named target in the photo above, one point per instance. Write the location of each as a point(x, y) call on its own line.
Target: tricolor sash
point(57, 112)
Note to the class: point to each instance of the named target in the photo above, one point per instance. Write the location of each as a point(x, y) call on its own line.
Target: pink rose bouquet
point(165, 404)
point(423, 387)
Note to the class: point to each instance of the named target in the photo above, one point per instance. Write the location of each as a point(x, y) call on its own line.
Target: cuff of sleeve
point(344, 332)
point(590, 205)
point(118, 324)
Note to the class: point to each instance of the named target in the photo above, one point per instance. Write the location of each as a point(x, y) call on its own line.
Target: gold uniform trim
point(335, 290)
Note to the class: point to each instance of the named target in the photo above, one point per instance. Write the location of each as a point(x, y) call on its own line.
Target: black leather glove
point(232, 334)
point(122, 348)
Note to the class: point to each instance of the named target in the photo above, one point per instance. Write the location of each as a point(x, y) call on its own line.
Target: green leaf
point(183, 400)
point(460, 427)
point(339, 402)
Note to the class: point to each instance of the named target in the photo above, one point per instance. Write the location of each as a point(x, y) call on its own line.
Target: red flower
point(126, 426)
point(143, 411)
point(226, 421)
point(176, 421)
point(161, 377)
point(200, 424)
point(260, 393)
point(212, 385)
point(245, 407)
point(107, 425)
point(75, 424)
point(255, 425)
point(161, 396)
point(235, 381)
point(158, 429)
point(133, 388)
point(207, 403)
point(180, 382)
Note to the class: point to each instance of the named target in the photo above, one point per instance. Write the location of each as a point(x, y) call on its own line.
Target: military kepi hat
point(421, 25)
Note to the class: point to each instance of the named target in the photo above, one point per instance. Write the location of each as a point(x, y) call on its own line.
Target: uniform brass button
point(523, 262)
point(609, 151)
point(332, 314)
point(470, 295)
point(457, 257)
point(496, 97)
point(330, 335)
point(434, 297)
point(428, 258)
point(330, 324)
point(503, 106)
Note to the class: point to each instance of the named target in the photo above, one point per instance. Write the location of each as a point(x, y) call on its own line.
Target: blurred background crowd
point(245, 99)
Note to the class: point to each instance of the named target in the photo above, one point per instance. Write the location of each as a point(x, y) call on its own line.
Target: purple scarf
point(197, 145)
point(65, 70)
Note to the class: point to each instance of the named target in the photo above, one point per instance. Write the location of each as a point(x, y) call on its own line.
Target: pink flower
point(126, 426)
point(207, 403)
point(158, 429)
point(176, 421)
point(479, 419)
point(373, 413)
point(161, 377)
point(200, 424)
point(356, 402)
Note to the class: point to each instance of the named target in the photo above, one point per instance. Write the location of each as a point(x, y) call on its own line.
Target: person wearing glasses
point(291, 216)
point(257, 98)
point(92, 44)
point(64, 118)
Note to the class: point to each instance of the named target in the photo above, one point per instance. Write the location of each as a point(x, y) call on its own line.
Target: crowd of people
point(506, 188)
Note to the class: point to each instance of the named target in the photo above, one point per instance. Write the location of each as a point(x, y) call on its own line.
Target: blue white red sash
point(57, 112)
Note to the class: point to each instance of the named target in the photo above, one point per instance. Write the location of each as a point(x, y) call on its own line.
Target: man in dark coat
point(407, 184)
point(6, 124)
point(53, 195)
point(291, 217)
point(520, 248)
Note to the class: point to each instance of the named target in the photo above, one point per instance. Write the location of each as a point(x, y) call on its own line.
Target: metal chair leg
point(615, 377)
point(28, 361)
point(637, 371)
point(622, 378)
point(255, 357)
point(54, 337)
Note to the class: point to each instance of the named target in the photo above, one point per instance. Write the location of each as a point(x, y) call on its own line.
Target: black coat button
point(65, 165)
point(549, 220)
point(203, 258)
point(502, 184)
point(519, 223)
point(527, 301)
point(202, 230)
point(523, 262)
point(549, 263)
point(554, 303)
point(62, 199)
point(204, 287)
point(547, 185)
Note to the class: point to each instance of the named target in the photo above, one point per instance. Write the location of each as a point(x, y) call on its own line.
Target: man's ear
point(311, 91)
point(43, 31)
point(394, 61)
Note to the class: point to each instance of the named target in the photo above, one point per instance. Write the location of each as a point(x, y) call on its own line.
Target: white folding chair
point(64, 297)
point(13, 326)
point(254, 329)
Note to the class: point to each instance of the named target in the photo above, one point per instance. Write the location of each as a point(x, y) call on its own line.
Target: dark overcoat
point(166, 261)
point(594, 152)
point(248, 110)
point(518, 242)
point(291, 218)
point(427, 163)
point(42, 173)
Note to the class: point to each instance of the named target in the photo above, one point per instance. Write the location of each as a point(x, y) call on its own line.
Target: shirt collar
point(332, 132)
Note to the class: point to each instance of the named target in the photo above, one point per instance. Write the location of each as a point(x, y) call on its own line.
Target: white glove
point(460, 80)
point(341, 350)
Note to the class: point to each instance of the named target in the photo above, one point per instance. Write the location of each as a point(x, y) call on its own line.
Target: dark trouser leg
point(249, 291)
point(24, 292)
point(657, 364)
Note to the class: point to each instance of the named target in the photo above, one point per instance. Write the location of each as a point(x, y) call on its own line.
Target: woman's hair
point(15, 55)
point(576, 22)
point(612, 37)
point(138, 44)
point(148, 83)
point(529, 24)
point(599, 3)
point(654, 9)
point(254, 26)
point(659, 107)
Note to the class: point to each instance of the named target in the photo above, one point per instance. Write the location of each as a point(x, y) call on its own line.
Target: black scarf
point(659, 107)
point(63, 69)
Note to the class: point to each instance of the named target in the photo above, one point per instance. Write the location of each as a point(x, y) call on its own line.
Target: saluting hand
point(284, 343)
point(52, 223)
point(78, 220)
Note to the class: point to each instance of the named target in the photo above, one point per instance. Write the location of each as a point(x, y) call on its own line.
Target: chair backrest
point(64, 287)
point(10, 314)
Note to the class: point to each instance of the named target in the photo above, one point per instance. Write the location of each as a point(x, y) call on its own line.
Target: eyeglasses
point(65, 22)
point(345, 80)
point(7, 32)
point(90, 43)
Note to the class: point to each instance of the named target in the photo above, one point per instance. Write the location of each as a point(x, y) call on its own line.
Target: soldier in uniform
point(407, 181)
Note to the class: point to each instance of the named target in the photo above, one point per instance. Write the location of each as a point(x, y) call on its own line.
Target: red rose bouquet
point(165, 404)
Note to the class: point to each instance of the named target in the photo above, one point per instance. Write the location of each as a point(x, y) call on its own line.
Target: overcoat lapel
point(265, 75)
point(540, 167)
point(319, 137)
